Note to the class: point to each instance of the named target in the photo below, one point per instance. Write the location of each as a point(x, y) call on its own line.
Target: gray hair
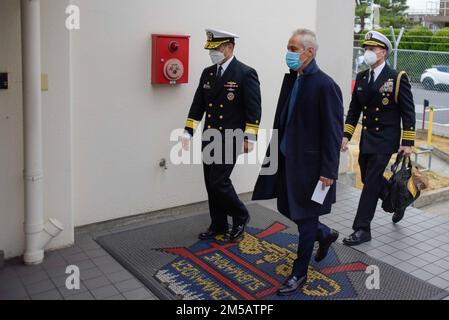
point(308, 39)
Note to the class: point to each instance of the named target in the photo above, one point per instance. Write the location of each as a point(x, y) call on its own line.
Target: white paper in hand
point(319, 194)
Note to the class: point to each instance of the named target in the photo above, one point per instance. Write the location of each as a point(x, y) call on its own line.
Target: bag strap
point(395, 166)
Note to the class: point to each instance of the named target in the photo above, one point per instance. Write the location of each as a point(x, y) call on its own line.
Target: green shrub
point(440, 40)
point(417, 38)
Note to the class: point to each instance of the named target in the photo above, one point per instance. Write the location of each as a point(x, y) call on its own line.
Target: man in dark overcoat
point(309, 123)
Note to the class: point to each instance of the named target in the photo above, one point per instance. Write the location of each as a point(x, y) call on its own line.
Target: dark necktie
point(219, 72)
point(371, 80)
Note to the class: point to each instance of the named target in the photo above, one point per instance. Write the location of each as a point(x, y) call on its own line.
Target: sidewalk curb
point(432, 197)
point(441, 154)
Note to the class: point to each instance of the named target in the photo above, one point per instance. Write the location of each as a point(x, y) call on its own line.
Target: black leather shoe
point(323, 249)
point(237, 232)
point(292, 286)
point(211, 234)
point(398, 215)
point(358, 237)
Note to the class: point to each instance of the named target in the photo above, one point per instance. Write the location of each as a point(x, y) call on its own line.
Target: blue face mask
point(293, 60)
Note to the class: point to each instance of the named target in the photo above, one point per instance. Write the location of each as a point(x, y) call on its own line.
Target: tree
point(361, 12)
point(393, 13)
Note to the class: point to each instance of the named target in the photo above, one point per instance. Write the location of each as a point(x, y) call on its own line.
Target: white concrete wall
point(106, 127)
point(56, 123)
point(11, 152)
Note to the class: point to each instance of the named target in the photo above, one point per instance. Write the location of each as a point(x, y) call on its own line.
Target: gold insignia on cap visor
point(210, 36)
point(214, 44)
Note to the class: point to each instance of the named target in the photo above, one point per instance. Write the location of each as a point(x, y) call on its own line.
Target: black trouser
point(372, 167)
point(310, 230)
point(223, 200)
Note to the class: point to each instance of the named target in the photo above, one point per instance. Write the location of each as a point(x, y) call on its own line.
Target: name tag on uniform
point(359, 89)
point(206, 86)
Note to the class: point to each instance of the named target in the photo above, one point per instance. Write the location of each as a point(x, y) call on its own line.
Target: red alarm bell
point(170, 59)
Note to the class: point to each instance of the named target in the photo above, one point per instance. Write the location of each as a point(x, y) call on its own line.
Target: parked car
point(435, 78)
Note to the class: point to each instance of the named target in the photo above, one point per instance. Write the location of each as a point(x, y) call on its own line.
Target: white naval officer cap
point(216, 38)
point(375, 38)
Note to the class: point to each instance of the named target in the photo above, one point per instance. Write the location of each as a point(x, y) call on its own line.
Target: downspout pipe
point(37, 235)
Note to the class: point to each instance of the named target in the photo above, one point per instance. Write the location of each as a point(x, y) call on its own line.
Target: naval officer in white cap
point(228, 96)
point(383, 97)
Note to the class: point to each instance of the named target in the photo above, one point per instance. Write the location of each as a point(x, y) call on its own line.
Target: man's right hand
point(344, 144)
point(185, 142)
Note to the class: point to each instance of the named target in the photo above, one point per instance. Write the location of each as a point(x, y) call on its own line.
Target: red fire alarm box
point(170, 59)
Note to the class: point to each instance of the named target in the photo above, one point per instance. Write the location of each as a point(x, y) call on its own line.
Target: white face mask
point(216, 56)
point(370, 57)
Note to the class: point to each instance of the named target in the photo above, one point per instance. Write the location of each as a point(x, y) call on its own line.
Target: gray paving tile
point(406, 267)
point(429, 257)
point(413, 251)
point(399, 245)
point(105, 292)
point(48, 295)
point(70, 251)
point(95, 283)
point(128, 285)
point(443, 264)
point(439, 253)
point(138, 294)
point(111, 267)
point(60, 281)
point(444, 275)
point(96, 253)
point(77, 257)
point(424, 246)
point(439, 282)
point(402, 255)
point(57, 271)
point(90, 274)
point(85, 265)
point(421, 274)
point(375, 253)
point(420, 237)
point(36, 277)
point(40, 287)
point(434, 242)
point(117, 297)
point(71, 292)
point(410, 241)
point(390, 260)
point(23, 270)
point(443, 237)
point(418, 262)
point(13, 293)
point(81, 296)
point(53, 261)
point(387, 249)
point(103, 260)
point(434, 269)
point(119, 276)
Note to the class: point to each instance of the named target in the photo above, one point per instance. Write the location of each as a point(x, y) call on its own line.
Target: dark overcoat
point(314, 135)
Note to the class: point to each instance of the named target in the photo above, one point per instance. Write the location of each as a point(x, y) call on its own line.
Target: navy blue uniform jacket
point(314, 135)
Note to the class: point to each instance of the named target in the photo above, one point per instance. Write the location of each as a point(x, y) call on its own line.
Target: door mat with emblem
point(170, 260)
